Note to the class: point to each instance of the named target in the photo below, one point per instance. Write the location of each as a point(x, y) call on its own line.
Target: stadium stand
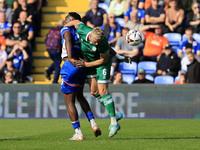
point(120, 21)
point(54, 11)
point(128, 68)
point(148, 66)
point(104, 6)
point(164, 80)
point(128, 78)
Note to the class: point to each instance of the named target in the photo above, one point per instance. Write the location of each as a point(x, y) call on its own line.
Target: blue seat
point(120, 21)
point(128, 68)
point(164, 80)
point(149, 77)
point(128, 78)
point(148, 66)
point(177, 78)
point(104, 6)
point(174, 39)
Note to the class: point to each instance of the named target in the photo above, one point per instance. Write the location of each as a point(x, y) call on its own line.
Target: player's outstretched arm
point(73, 23)
point(120, 57)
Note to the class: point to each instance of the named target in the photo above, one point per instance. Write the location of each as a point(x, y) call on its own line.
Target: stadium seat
point(196, 36)
point(128, 68)
point(164, 80)
point(174, 39)
point(148, 66)
point(120, 21)
point(149, 77)
point(177, 78)
point(128, 78)
point(104, 6)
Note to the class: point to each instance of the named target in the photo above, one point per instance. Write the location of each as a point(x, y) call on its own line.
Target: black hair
point(71, 16)
point(75, 15)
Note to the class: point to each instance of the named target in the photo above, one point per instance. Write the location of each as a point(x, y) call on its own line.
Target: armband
point(120, 57)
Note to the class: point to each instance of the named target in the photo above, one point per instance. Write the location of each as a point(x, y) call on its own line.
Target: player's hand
point(128, 60)
point(80, 63)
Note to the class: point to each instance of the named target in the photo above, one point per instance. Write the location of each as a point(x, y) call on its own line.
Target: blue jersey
point(5, 25)
point(76, 45)
point(195, 44)
point(72, 78)
point(18, 62)
point(140, 13)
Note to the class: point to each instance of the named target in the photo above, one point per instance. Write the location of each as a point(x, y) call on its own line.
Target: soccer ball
point(134, 37)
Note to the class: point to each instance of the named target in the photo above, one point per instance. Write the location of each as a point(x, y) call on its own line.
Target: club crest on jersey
point(94, 48)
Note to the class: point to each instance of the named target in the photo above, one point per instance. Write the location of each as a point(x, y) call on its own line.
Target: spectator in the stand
point(5, 27)
point(141, 77)
point(8, 11)
point(37, 5)
point(2, 43)
point(133, 24)
point(161, 3)
point(181, 75)
point(16, 38)
point(112, 30)
point(9, 79)
point(193, 18)
point(96, 16)
point(193, 71)
point(19, 56)
point(186, 5)
point(168, 64)
point(174, 18)
point(118, 79)
point(125, 49)
point(54, 48)
point(10, 67)
point(134, 7)
point(26, 26)
point(23, 6)
point(184, 58)
point(154, 43)
point(191, 40)
point(155, 14)
point(128, 4)
point(13, 4)
point(3, 58)
point(117, 7)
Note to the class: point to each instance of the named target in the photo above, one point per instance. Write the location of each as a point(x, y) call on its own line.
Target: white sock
point(78, 131)
point(113, 121)
point(92, 121)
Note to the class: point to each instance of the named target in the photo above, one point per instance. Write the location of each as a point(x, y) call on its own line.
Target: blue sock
point(90, 116)
point(76, 124)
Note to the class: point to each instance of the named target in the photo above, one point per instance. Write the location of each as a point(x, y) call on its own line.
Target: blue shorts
point(72, 78)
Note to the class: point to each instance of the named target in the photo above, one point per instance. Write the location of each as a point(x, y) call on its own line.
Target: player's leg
point(94, 90)
point(86, 108)
point(103, 79)
point(73, 114)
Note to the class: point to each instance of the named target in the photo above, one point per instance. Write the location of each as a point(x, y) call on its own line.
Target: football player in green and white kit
point(95, 47)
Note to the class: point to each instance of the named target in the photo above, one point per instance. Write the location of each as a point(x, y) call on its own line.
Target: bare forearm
point(96, 63)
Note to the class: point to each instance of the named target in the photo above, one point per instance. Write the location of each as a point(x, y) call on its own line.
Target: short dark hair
point(71, 16)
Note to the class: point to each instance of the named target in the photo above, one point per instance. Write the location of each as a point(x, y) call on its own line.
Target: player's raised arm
point(73, 23)
point(118, 56)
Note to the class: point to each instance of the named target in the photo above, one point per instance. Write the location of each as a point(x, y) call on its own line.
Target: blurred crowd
point(18, 28)
point(155, 19)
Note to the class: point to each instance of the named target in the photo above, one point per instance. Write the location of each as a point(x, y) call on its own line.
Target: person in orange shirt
point(2, 42)
point(154, 43)
point(181, 75)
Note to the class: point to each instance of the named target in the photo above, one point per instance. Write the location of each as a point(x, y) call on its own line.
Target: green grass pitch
point(135, 134)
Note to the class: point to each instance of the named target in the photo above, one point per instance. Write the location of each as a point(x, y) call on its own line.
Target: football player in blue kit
point(73, 79)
